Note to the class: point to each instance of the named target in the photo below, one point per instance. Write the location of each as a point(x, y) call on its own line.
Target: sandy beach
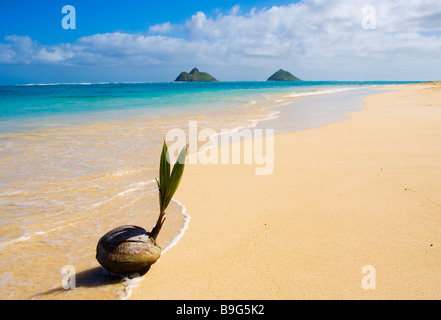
point(349, 200)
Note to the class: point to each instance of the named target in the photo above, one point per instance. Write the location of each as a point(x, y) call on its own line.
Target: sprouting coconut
point(132, 249)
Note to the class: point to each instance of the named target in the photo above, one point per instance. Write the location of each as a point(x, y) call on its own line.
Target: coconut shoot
point(167, 184)
point(131, 249)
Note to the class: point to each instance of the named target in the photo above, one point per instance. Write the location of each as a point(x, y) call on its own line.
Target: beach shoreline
point(92, 165)
point(346, 201)
point(68, 183)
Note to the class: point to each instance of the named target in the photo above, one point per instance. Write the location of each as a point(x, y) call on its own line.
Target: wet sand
point(62, 189)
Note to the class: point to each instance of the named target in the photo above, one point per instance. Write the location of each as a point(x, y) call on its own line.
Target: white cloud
point(313, 35)
point(24, 50)
point(196, 26)
point(162, 28)
point(235, 10)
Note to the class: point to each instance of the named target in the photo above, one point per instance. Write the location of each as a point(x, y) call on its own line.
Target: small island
point(283, 75)
point(195, 76)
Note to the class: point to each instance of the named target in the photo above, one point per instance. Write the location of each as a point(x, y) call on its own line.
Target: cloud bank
point(393, 38)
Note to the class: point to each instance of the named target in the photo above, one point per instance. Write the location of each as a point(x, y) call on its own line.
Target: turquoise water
point(30, 107)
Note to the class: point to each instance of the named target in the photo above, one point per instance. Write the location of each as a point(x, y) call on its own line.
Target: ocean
point(80, 159)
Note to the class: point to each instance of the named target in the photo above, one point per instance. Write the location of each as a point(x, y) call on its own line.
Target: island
point(195, 76)
point(283, 75)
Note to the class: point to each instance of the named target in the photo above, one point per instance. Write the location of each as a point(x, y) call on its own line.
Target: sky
point(233, 40)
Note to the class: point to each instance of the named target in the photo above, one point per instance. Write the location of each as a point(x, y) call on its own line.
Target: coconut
point(126, 250)
point(131, 249)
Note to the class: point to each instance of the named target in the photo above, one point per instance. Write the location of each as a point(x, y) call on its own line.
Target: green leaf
point(160, 194)
point(164, 172)
point(175, 177)
point(168, 183)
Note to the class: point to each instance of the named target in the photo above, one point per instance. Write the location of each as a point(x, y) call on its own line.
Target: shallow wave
point(23, 238)
point(320, 91)
point(133, 283)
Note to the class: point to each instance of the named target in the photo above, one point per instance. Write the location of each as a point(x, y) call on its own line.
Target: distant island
point(195, 76)
point(283, 75)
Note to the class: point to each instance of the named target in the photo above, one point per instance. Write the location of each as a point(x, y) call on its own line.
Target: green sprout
point(168, 183)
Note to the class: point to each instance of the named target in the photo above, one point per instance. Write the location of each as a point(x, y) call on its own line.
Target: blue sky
point(40, 19)
point(233, 40)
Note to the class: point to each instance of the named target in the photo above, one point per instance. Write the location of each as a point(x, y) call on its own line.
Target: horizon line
point(223, 81)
